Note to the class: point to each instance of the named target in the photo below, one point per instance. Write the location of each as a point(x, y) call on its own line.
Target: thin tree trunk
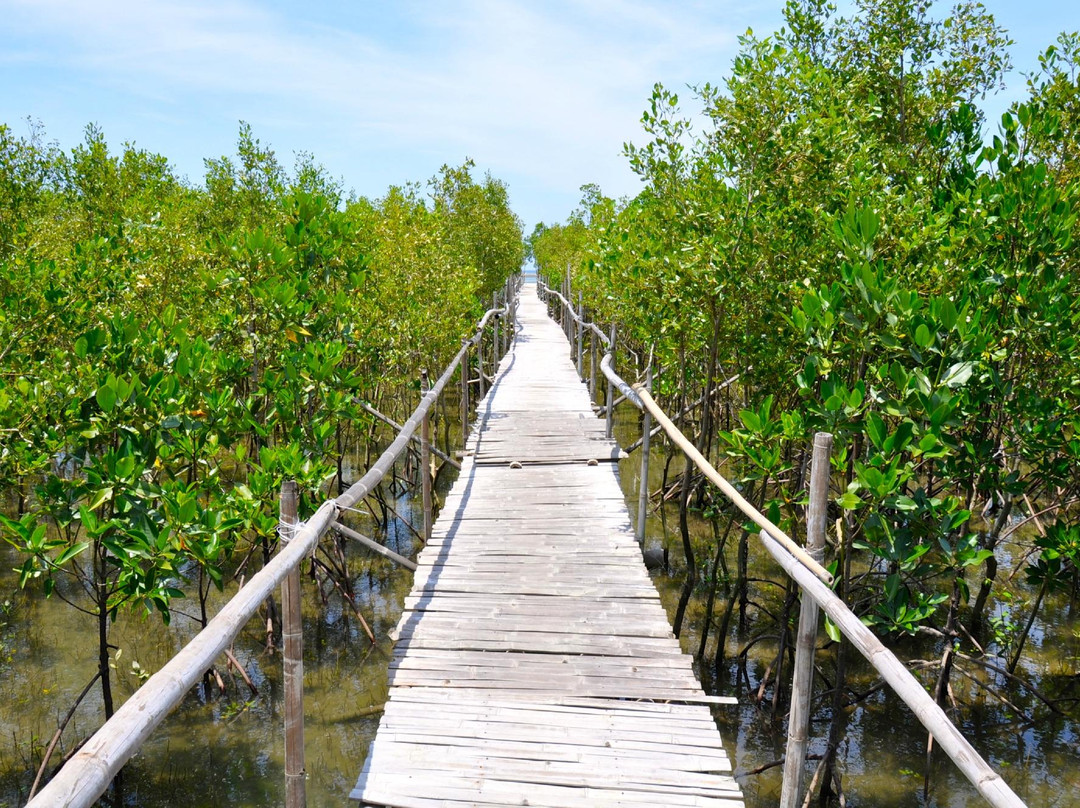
point(990, 567)
point(836, 725)
point(785, 619)
point(718, 561)
point(103, 637)
point(688, 549)
point(1011, 667)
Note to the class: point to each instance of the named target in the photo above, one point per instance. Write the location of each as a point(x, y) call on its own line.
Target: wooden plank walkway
point(534, 663)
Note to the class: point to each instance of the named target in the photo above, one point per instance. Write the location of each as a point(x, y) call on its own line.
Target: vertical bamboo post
point(425, 459)
point(580, 335)
point(643, 483)
point(611, 391)
point(292, 636)
point(508, 330)
point(510, 313)
point(480, 365)
point(565, 313)
point(592, 365)
point(465, 393)
point(569, 329)
point(496, 345)
point(511, 295)
point(802, 685)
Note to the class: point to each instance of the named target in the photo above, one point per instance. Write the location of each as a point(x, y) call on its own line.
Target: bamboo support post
point(570, 329)
point(682, 413)
point(568, 324)
point(986, 781)
point(511, 294)
point(508, 328)
point(480, 366)
point(571, 326)
point(425, 460)
point(592, 366)
point(435, 450)
point(580, 335)
point(464, 393)
point(496, 344)
point(643, 482)
point(610, 409)
point(292, 637)
point(806, 639)
point(373, 545)
point(508, 295)
point(717, 479)
point(88, 773)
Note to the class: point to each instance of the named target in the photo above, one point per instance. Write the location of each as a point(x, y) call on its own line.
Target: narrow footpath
point(534, 663)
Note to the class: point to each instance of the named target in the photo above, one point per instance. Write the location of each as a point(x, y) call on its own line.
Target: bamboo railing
point(86, 776)
point(813, 580)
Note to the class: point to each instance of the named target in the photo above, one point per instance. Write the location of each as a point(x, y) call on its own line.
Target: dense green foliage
point(171, 353)
point(879, 262)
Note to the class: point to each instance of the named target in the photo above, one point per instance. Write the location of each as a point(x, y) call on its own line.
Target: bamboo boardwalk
point(534, 663)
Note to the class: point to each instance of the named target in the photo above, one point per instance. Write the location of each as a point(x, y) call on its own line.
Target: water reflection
point(883, 750)
point(228, 750)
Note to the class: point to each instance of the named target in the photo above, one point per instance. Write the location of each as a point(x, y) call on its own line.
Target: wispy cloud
point(543, 93)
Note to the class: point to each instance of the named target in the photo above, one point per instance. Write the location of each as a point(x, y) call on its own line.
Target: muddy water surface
point(227, 750)
point(883, 750)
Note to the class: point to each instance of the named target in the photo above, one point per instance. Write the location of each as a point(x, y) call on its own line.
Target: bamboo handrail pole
point(803, 678)
point(566, 304)
point(366, 484)
point(907, 687)
point(616, 380)
point(656, 430)
point(484, 321)
point(603, 337)
point(373, 545)
point(88, 773)
point(624, 385)
point(435, 450)
point(292, 647)
point(718, 480)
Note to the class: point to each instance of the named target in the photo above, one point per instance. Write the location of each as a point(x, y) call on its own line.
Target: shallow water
point(228, 750)
point(883, 750)
point(222, 750)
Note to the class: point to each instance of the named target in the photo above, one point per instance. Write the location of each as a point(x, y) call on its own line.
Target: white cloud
point(545, 92)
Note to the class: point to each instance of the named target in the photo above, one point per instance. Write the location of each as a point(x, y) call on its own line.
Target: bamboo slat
point(534, 662)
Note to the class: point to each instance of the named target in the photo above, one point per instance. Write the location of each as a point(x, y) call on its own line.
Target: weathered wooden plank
point(487, 790)
point(535, 664)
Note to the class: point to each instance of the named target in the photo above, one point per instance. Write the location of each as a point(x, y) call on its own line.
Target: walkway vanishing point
point(534, 663)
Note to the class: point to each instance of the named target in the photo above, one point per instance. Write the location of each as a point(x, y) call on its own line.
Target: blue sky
point(542, 93)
